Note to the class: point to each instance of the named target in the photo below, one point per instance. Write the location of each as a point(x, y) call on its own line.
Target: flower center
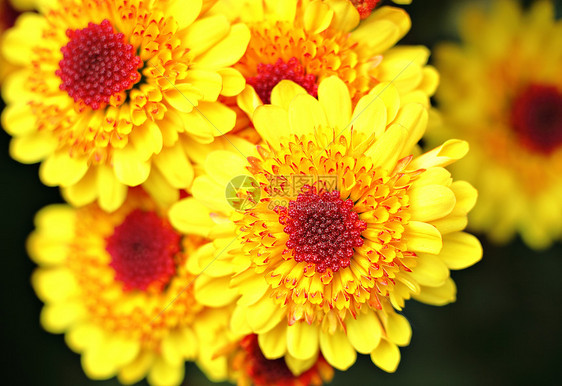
point(264, 371)
point(537, 118)
point(142, 251)
point(271, 74)
point(8, 15)
point(97, 64)
point(323, 229)
point(365, 7)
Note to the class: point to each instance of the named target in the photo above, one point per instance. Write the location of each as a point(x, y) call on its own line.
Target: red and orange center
point(97, 63)
point(142, 251)
point(364, 7)
point(323, 229)
point(537, 118)
point(270, 74)
point(261, 370)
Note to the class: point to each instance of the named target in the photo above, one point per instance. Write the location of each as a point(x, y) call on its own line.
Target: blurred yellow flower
point(108, 282)
point(113, 94)
point(346, 226)
point(502, 91)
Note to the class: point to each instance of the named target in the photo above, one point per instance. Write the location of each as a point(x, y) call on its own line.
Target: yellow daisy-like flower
point(337, 225)
point(118, 287)
point(114, 93)
point(502, 92)
point(307, 41)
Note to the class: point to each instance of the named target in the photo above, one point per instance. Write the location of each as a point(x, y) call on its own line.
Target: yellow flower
point(9, 11)
point(308, 40)
point(118, 287)
point(338, 226)
point(104, 116)
point(502, 92)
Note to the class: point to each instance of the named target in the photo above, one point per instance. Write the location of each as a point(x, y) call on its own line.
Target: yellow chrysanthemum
point(502, 92)
point(118, 287)
point(341, 225)
point(308, 40)
point(115, 93)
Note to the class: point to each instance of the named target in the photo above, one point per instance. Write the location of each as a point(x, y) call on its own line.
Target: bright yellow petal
point(431, 202)
point(317, 17)
point(365, 332)
point(164, 373)
point(438, 296)
point(302, 340)
point(333, 95)
point(228, 51)
point(273, 343)
point(422, 237)
point(306, 115)
point(460, 250)
point(386, 356)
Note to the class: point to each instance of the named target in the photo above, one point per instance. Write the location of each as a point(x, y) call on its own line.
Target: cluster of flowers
point(244, 184)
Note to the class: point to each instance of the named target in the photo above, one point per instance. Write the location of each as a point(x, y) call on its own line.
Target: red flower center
point(537, 118)
point(323, 229)
point(263, 371)
point(365, 7)
point(271, 74)
point(142, 251)
point(8, 15)
point(97, 63)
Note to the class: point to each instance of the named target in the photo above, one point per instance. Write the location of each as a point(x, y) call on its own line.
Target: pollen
point(270, 74)
point(142, 251)
point(323, 229)
point(97, 64)
point(537, 118)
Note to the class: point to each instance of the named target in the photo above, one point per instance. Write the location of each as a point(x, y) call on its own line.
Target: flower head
point(108, 281)
point(113, 94)
point(308, 41)
point(349, 224)
point(503, 93)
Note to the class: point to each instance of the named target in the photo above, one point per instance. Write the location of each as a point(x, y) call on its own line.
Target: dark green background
point(503, 329)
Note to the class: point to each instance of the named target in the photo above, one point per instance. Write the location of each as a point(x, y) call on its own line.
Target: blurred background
point(505, 327)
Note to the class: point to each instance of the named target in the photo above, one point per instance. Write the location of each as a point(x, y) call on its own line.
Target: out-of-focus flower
point(114, 93)
point(502, 92)
point(341, 225)
point(108, 282)
point(307, 41)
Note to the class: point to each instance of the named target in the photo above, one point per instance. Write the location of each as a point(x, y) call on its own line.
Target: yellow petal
point(147, 140)
point(82, 336)
point(58, 317)
point(387, 148)
point(438, 296)
point(430, 270)
point(369, 116)
point(19, 120)
point(164, 373)
point(112, 193)
point(337, 350)
point(465, 195)
point(272, 123)
point(137, 369)
point(18, 43)
point(160, 189)
point(345, 17)
point(232, 82)
point(33, 148)
point(431, 202)
point(413, 117)
point(299, 366)
point(364, 333)
point(189, 216)
point(333, 95)
point(211, 194)
point(273, 343)
point(84, 191)
point(214, 292)
point(398, 329)
point(129, 169)
point(222, 166)
point(460, 250)
point(302, 340)
point(451, 151)
point(265, 314)
point(209, 83)
point(183, 15)
point(284, 92)
point(62, 169)
point(214, 118)
point(205, 33)
point(248, 100)
point(306, 115)
point(174, 166)
point(228, 51)
point(317, 17)
point(422, 237)
point(54, 284)
point(386, 356)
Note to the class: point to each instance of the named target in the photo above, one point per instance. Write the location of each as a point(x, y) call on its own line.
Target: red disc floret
point(365, 7)
point(323, 229)
point(97, 63)
point(271, 74)
point(536, 118)
point(142, 251)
